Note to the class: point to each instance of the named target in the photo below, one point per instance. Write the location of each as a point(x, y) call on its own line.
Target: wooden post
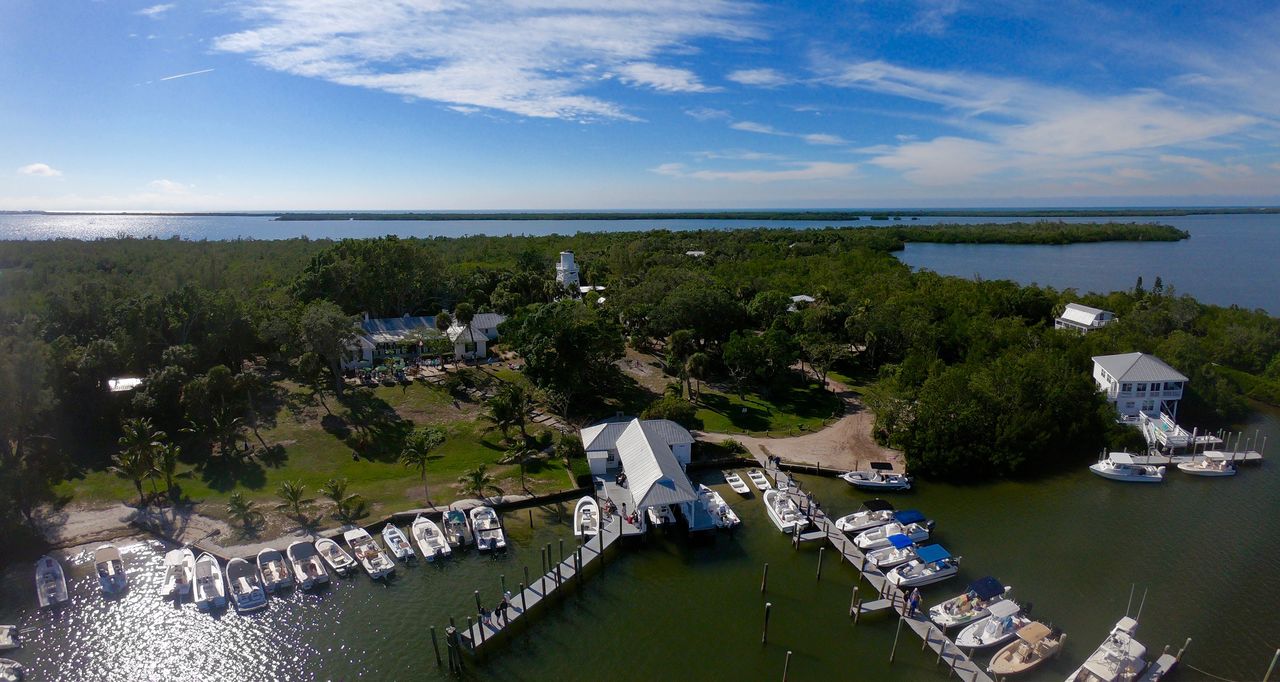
point(503, 578)
point(820, 550)
point(451, 643)
point(477, 601)
point(1272, 667)
point(855, 607)
point(785, 665)
point(522, 606)
point(470, 627)
point(600, 540)
point(526, 581)
point(562, 550)
point(1183, 649)
point(531, 518)
point(896, 632)
point(764, 580)
point(577, 561)
point(542, 554)
point(764, 636)
point(435, 645)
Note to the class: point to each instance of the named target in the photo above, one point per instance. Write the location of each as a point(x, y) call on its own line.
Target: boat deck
point(621, 497)
point(1250, 456)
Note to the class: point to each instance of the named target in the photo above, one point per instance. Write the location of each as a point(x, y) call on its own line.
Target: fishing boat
point(456, 530)
point(366, 550)
point(397, 543)
point(10, 671)
point(179, 572)
point(900, 550)
point(969, 606)
point(783, 511)
point(209, 592)
point(932, 564)
point(308, 569)
point(335, 556)
point(1211, 464)
point(1119, 466)
point(661, 514)
point(1001, 625)
point(1119, 657)
point(1034, 644)
point(488, 529)
point(736, 483)
point(720, 512)
point(874, 480)
point(759, 480)
point(431, 542)
point(110, 567)
point(245, 586)
point(9, 637)
point(586, 517)
point(276, 574)
point(51, 582)
point(910, 524)
point(874, 513)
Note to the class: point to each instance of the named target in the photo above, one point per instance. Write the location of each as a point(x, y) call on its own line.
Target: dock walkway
point(887, 594)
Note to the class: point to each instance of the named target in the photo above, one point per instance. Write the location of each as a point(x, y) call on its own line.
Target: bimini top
point(1121, 457)
point(1032, 633)
point(986, 588)
point(932, 553)
point(908, 516)
point(900, 541)
point(877, 505)
point(1003, 609)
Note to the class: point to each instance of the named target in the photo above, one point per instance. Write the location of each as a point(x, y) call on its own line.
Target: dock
point(888, 596)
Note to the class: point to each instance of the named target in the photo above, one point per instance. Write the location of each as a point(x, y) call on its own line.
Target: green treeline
point(967, 377)
point(846, 215)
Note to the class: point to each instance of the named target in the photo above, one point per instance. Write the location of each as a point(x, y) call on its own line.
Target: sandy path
point(79, 525)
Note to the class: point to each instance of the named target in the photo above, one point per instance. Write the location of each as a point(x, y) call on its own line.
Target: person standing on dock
point(502, 609)
point(913, 604)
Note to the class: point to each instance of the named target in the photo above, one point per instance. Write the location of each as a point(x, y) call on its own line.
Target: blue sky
point(566, 104)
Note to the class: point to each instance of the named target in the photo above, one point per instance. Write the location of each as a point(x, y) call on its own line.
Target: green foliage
point(292, 496)
point(385, 277)
point(568, 348)
point(244, 512)
point(478, 482)
point(417, 451)
point(676, 409)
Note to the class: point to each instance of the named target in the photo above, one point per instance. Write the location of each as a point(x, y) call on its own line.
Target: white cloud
point(794, 171)
point(169, 187)
point(765, 129)
point(535, 58)
point(43, 170)
point(739, 155)
point(933, 16)
point(707, 113)
point(1206, 168)
point(764, 78)
point(156, 11)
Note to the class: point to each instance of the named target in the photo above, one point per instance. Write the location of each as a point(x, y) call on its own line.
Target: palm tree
point(134, 465)
point(292, 496)
point(350, 505)
point(139, 444)
point(166, 465)
point(476, 482)
point(417, 452)
point(698, 367)
point(521, 454)
point(510, 408)
point(244, 512)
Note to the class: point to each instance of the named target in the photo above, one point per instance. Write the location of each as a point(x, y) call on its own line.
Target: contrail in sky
point(184, 75)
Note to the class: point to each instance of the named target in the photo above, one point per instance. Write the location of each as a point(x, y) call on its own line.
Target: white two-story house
point(1083, 319)
point(1138, 383)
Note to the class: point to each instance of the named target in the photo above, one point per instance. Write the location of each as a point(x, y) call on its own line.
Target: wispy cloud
point(739, 155)
point(184, 75)
point(156, 11)
point(43, 170)
point(765, 129)
point(708, 114)
point(170, 187)
point(763, 78)
point(933, 16)
point(790, 172)
point(538, 59)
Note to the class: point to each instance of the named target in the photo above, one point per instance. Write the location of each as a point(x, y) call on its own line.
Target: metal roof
point(931, 553)
point(1138, 367)
point(466, 334)
point(487, 320)
point(392, 329)
point(1082, 314)
point(653, 474)
point(605, 435)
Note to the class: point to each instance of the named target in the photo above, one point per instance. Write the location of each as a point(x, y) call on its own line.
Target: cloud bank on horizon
point(655, 103)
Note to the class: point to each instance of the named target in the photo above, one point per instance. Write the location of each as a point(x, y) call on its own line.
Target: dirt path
point(846, 444)
point(79, 525)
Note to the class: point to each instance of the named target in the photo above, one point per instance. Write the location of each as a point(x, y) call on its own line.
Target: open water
point(1206, 552)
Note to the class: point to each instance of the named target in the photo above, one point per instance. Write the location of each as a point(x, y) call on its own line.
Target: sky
point(636, 104)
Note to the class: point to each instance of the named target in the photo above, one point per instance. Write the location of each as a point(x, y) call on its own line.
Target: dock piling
point(896, 632)
point(526, 582)
point(820, 551)
point(477, 601)
point(503, 577)
point(764, 580)
point(1183, 649)
point(562, 550)
point(1272, 667)
point(785, 666)
point(764, 636)
point(531, 518)
point(522, 607)
point(435, 645)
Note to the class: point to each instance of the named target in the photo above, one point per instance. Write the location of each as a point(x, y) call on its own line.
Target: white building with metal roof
point(653, 454)
point(1083, 319)
point(1138, 383)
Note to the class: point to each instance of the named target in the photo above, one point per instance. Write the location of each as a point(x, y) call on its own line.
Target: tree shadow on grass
point(225, 473)
point(747, 417)
point(379, 431)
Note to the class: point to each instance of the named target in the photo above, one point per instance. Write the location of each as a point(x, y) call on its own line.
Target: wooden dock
point(887, 594)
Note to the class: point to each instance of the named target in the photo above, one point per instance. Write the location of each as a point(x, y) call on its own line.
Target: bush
point(733, 447)
point(676, 409)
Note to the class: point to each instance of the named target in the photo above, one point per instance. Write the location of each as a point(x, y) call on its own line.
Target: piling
point(542, 555)
point(470, 625)
point(435, 645)
point(522, 609)
point(896, 632)
point(562, 550)
point(1183, 649)
point(503, 578)
point(820, 551)
point(764, 580)
point(477, 601)
point(600, 539)
point(764, 636)
point(785, 665)
point(531, 518)
point(526, 582)
point(1271, 668)
point(451, 643)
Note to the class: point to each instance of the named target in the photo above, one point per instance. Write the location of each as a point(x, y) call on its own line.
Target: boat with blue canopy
point(971, 605)
point(901, 549)
point(932, 564)
point(909, 523)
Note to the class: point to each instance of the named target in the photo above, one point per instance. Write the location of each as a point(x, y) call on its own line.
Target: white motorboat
point(209, 591)
point(783, 511)
point(874, 480)
point(456, 529)
point(1119, 657)
point(877, 538)
point(487, 527)
point(1035, 644)
point(586, 518)
point(51, 582)
point(715, 505)
point(1001, 625)
point(900, 551)
point(276, 574)
point(1211, 464)
point(308, 569)
point(244, 586)
point(759, 480)
point(1119, 466)
point(9, 637)
point(110, 567)
point(366, 550)
point(874, 513)
point(431, 541)
point(335, 556)
point(179, 572)
point(11, 671)
point(932, 564)
point(661, 514)
point(397, 543)
point(736, 483)
point(969, 606)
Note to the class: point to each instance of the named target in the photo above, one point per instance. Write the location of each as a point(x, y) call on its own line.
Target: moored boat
point(456, 529)
point(1002, 623)
point(488, 529)
point(873, 513)
point(586, 517)
point(430, 539)
point(9, 637)
point(736, 483)
point(900, 550)
point(308, 569)
point(335, 556)
point(970, 606)
point(245, 586)
point(759, 480)
point(1119, 657)
point(720, 512)
point(783, 511)
point(1119, 466)
point(397, 543)
point(51, 582)
point(179, 572)
point(932, 564)
point(275, 571)
point(910, 524)
point(366, 550)
point(208, 589)
point(874, 480)
point(10, 670)
point(1034, 644)
point(110, 568)
point(660, 515)
point(1211, 464)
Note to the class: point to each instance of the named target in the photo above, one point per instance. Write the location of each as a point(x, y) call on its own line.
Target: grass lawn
point(796, 409)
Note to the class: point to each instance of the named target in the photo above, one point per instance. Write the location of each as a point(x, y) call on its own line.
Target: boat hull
point(1192, 469)
point(51, 582)
point(1111, 474)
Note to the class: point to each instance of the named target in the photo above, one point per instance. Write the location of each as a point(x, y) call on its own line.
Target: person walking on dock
point(913, 604)
point(502, 609)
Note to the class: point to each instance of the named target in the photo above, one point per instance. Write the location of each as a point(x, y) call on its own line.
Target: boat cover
point(881, 466)
point(900, 541)
point(1121, 458)
point(931, 553)
point(1003, 609)
point(456, 515)
point(909, 516)
point(1032, 633)
point(986, 588)
point(877, 505)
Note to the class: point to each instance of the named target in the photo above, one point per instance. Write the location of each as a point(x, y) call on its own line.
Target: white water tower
point(567, 271)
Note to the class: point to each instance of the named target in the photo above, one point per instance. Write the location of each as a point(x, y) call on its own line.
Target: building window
point(469, 347)
point(1126, 387)
point(1129, 405)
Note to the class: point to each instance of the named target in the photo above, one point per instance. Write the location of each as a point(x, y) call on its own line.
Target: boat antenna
point(1142, 604)
point(1130, 604)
